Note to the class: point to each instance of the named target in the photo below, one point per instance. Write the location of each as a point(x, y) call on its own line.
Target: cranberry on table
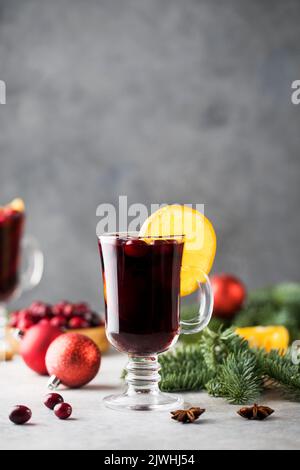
point(20, 414)
point(53, 399)
point(63, 410)
point(136, 248)
point(77, 323)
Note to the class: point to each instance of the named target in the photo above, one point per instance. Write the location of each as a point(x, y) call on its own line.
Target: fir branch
point(224, 365)
point(183, 369)
point(213, 348)
point(237, 379)
point(189, 380)
point(187, 357)
point(282, 371)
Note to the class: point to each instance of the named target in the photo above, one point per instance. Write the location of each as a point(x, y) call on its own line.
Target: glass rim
point(137, 235)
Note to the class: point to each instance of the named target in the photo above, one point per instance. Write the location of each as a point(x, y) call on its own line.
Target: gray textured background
point(162, 100)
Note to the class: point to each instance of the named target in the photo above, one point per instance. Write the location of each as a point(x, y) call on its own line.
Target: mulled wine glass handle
point(34, 262)
point(202, 319)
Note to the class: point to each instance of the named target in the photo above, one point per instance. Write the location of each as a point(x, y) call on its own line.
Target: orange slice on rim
point(199, 241)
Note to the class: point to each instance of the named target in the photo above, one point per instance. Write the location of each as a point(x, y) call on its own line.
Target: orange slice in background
point(267, 337)
point(199, 241)
point(16, 205)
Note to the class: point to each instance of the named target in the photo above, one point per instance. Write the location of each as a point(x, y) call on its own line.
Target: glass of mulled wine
point(141, 278)
point(21, 262)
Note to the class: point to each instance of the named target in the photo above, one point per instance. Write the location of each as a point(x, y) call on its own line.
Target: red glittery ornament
point(73, 360)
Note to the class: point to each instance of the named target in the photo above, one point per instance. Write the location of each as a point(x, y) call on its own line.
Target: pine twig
point(237, 379)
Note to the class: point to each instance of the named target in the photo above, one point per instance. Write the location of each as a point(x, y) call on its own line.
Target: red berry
point(20, 414)
point(42, 310)
point(14, 318)
point(68, 310)
point(88, 316)
point(77, 323)
point(35, 318)
point(60, 321)
point(35, 305)
point(96, 320)
point(58, 309)
point(25, 323)
point(53, 399)
point(24, 314)
point(136, 248)
point(81, 308)
point(63, 410)
point(45, 321)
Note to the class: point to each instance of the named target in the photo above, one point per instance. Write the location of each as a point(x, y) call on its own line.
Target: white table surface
point(95, 427)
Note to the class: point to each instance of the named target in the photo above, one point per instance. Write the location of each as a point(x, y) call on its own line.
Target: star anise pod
point(258, 412)
point(187, 416)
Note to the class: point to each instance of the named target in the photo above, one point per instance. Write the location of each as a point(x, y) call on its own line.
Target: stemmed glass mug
point(141, 279)
point(21, 266)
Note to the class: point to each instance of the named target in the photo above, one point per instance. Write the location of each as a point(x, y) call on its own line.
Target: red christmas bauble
point(34, 346)
point(73, 359)
point(229, 295)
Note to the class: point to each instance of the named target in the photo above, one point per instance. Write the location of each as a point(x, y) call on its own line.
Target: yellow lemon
point(199, 240)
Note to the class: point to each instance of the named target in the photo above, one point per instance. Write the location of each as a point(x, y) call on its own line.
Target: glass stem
point(143, 375)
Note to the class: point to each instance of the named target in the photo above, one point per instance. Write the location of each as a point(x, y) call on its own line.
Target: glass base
point(144, 402)
point(143, 394)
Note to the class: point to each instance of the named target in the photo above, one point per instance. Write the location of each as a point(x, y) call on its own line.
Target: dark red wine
point(142, 292)
point(11, 229)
